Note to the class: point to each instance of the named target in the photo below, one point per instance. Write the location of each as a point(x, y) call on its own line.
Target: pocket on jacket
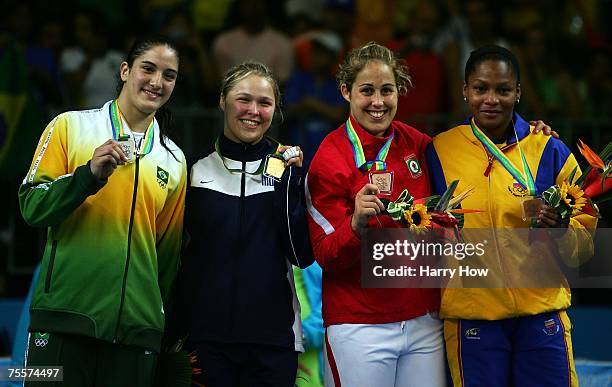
point(50, 267)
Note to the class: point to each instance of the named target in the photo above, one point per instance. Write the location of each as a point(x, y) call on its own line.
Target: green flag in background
point(21, 121)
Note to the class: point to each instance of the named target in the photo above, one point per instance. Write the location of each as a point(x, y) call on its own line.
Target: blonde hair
point(240, 71)
point(359, 57)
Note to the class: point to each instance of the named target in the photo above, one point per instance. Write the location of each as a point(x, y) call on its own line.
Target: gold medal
point(383, 180)
point(128, 147)
point(274, 167)
point(531, 208)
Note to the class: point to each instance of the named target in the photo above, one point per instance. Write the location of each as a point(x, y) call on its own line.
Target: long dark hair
point(163, 115)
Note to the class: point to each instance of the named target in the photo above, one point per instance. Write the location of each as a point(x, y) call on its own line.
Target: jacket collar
point(245, 152)
point(522, 129)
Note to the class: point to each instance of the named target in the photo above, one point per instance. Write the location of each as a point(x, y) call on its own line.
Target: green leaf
point(582, 177)
point(571, 176)
point(461, 219)
point(552, 196)
point(385, 202)
point(431, 202)
point(604, 176)
point(446, 197)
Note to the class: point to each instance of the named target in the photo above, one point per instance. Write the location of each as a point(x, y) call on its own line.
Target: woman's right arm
point(50, 192)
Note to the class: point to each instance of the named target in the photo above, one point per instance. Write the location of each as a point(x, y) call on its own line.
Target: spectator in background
point(198, 82)
point(428, 96)
point(254, 39)
point(38, 51)
point(303, 14)
point(89, 66)
point(313, 102)
point(371, 22)
point(336, 18)
point(209, 16)
point(475, 25)
point(595, 87)
point(549, 90)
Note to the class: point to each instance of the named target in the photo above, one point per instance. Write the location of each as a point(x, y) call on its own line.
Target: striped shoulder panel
point(210, 173)
point(552, 160)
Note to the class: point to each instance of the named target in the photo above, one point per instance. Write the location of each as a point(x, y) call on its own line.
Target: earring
point(465, 99)
point(518, 100)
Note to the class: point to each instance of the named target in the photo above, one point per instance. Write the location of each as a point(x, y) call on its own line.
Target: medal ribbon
point(119, 134)
point(261, 165)
point(362, 164)
point(524, 178)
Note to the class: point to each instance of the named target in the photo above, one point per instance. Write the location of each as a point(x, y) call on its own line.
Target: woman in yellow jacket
point(510, 328)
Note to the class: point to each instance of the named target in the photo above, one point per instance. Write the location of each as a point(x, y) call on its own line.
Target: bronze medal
point(383, 180)
point(531, 208)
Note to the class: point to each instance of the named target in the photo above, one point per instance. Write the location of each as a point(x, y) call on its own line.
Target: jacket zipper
point(240, 233)
point(50, 267)
point(495, 235)
point(242, 196)
point(129, 245)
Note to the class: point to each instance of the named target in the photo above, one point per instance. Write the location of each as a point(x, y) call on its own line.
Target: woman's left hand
point(293, 155)
point(550, 218)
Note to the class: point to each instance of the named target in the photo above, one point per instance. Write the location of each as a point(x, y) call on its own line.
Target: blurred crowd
point(70, 51)
point(73, 49)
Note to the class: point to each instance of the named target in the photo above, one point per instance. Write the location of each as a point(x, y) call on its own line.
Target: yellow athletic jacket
point(458, 155)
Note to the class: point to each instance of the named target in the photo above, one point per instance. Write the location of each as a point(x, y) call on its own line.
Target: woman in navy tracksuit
point(235, 296)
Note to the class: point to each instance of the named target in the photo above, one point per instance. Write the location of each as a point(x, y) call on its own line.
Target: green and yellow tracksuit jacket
point(113, 246)
point(458, 155)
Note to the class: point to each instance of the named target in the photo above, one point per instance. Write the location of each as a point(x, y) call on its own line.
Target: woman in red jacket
point(374, 337)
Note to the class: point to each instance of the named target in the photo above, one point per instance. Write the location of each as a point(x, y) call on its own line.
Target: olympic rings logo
point(41, 342)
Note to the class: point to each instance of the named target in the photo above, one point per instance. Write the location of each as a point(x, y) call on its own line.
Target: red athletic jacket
point(332, 183)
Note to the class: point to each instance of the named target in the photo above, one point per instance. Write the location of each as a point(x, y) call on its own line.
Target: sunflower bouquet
point(581, 195)
point(438, 211)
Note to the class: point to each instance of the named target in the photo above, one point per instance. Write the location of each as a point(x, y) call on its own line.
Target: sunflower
point(573, 196)
point(417, 217)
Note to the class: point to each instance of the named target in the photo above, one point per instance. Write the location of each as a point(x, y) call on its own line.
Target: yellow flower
point(573, 196)
point(417, 217)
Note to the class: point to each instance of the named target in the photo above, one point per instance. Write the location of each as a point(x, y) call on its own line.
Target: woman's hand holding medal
point(550, 218)
point(106, 158)
point(292, 155)
point(366, 206)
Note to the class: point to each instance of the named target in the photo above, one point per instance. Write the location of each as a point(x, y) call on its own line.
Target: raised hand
point(366, 206)
point(293, 155)
point(106, 158)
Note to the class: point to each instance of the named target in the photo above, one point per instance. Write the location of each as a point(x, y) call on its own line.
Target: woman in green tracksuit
point(110, 188)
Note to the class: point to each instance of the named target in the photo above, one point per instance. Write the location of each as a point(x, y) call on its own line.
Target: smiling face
point(248, 108)
point(491, 92)
point(373, 97)
point(149, 82)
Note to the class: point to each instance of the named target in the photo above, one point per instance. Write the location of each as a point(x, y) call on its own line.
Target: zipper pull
point(487, 171)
